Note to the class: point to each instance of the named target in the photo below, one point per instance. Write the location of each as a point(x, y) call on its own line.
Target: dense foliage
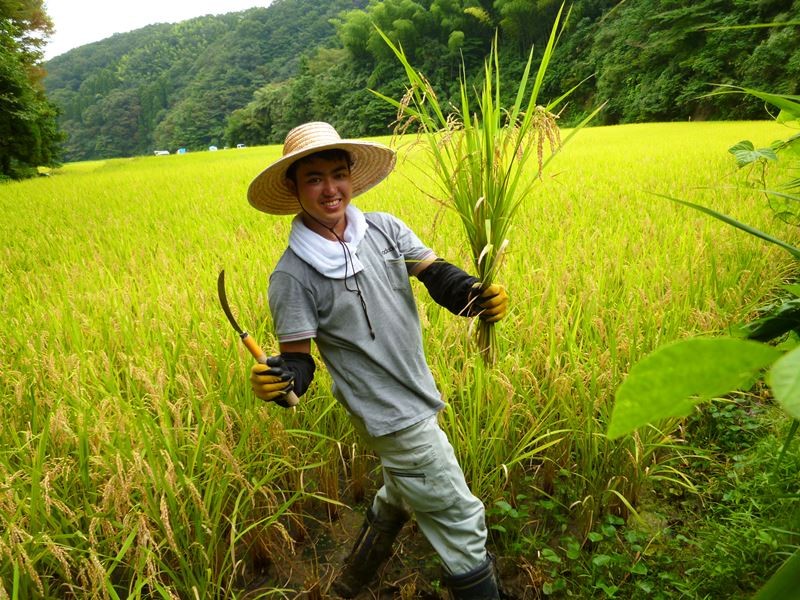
point(28, 133)
point(171, 85)
point(248, 77)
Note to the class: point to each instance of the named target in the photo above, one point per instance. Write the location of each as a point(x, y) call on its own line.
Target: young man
point(344, 282)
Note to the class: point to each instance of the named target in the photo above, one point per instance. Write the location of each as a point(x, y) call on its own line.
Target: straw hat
point(372, 162)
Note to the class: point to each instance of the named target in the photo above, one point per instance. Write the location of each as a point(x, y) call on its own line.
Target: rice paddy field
point(135, 462)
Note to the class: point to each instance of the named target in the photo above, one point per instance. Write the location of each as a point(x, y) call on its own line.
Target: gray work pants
point(421, 474)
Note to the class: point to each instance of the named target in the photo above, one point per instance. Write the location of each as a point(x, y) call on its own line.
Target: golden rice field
point(134, 460)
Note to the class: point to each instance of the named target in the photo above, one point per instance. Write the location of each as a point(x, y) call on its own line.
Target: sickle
point(290, 397)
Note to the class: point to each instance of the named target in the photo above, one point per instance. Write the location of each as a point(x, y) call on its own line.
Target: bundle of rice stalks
point(482, 154)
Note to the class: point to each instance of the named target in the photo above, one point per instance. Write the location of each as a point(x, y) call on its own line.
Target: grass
point(136, 463)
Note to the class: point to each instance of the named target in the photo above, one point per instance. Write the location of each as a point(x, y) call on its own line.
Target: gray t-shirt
point(385, 381)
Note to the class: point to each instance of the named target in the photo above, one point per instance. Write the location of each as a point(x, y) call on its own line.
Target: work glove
point(271, 381)
point(492, 303)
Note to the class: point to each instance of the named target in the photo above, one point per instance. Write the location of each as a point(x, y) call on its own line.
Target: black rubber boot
point(478, 584)
point(372, 548)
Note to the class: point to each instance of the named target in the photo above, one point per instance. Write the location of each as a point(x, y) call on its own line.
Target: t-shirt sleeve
point(294, 312)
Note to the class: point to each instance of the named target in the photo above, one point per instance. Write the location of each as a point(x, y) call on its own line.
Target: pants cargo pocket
point(422, 479)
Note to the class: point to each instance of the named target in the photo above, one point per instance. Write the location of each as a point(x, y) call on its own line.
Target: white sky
point(79, 22)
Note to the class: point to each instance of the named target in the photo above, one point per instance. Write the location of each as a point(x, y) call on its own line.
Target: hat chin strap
point(313, 218)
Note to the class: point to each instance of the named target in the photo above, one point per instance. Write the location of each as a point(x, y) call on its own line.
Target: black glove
point(449, 286)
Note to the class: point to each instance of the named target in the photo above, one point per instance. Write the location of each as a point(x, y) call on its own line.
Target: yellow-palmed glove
point(270, 382)
point(492, 303)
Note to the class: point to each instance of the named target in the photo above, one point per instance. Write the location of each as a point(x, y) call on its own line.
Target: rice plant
point(481, 152)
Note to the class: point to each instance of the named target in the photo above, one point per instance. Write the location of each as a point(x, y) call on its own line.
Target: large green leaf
point(784, 379)
point(785, 583)
point(673, 379)
point(792, 288)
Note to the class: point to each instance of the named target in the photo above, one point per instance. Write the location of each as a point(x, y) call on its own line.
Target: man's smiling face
point(323, 187)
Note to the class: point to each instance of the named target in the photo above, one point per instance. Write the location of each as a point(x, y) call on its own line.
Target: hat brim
point(371, 164)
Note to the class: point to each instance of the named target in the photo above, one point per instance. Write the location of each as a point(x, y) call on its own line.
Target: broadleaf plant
point(673, 379)
point(746, 153)
point(777, 323)
point(783, 376)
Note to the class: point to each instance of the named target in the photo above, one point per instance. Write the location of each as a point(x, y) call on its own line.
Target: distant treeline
point(29, 135)
point(249, 77)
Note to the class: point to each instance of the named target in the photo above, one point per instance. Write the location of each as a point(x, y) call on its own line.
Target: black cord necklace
point(347, 256)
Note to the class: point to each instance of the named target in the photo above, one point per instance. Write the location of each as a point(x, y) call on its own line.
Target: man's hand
point(492, 304)
point(271, 382)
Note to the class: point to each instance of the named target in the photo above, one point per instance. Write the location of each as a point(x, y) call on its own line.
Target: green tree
point(189, 77)
point(248, 77)
point(654, 59)
point(28, 133)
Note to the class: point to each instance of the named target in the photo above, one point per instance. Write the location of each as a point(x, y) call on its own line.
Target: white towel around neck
point(328, 257)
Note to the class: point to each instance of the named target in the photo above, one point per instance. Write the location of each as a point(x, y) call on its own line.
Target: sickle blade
point(223, 300)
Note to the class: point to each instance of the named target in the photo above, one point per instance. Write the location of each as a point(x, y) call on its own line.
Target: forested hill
point(248, 77)
point(171, 85)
